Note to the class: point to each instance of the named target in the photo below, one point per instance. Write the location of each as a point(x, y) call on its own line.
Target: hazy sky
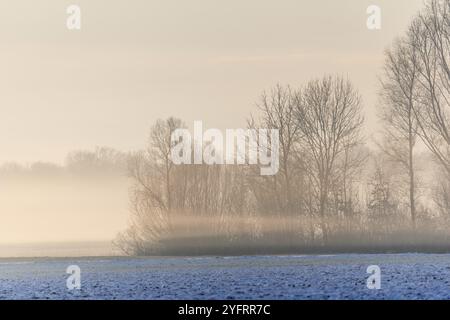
point(138, 60)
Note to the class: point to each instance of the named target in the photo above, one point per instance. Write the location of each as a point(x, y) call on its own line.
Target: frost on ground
point(404, 276)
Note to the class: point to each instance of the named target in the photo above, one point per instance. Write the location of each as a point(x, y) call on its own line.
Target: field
point(403, 276)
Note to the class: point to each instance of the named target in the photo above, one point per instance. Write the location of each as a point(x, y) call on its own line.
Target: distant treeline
point(101, 161)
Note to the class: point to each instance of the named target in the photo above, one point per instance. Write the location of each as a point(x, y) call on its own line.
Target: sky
point(136, 61)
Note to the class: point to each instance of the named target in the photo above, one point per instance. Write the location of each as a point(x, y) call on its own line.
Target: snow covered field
point(403, 276)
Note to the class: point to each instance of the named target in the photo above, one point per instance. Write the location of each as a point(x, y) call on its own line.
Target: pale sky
point(138, 60)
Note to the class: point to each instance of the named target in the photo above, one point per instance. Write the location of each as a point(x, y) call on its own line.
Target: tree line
point(332, 190)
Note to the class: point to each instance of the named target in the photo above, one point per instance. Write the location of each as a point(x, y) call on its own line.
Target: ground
point(403, 276)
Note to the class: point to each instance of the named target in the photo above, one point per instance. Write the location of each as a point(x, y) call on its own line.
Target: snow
point(403, 276)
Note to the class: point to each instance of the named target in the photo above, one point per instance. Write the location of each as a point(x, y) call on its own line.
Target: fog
point(44, 202)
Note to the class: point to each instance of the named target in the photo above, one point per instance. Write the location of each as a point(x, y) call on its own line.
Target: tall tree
point(329, 117)
point(399, 95)
point(429, 38)
point(277, 112)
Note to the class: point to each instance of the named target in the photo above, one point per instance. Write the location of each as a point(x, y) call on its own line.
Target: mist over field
point(84, 200)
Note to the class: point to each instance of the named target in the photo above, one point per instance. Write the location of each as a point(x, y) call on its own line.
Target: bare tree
point(278, 195)
point(441, 195)
point(399, 95)
point(173, 204)
point(278, 113)
point(328, 112)
point(151, 192)
point(160, 147)
point(382, 201)
point(429, 38)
